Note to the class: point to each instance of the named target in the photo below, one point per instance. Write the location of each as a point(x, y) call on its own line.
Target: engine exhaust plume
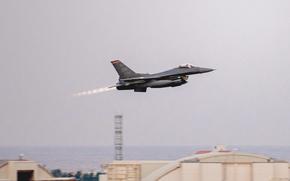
point(94, 91)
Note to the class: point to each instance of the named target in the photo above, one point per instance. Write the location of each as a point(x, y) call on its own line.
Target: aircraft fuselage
point(129, 80)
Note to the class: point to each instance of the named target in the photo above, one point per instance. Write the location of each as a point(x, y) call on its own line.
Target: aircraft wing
point(170, 73)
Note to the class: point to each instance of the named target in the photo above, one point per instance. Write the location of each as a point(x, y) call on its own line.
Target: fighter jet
point(130, 80)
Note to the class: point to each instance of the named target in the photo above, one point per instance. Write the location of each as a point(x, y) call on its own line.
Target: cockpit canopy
point(185, 66)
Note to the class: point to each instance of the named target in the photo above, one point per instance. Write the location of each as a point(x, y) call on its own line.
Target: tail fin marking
point(123, 71)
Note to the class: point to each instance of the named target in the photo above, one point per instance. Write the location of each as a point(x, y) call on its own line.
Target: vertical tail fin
point(123, 71)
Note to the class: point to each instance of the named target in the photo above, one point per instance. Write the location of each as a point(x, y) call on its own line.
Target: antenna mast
point(118, 137)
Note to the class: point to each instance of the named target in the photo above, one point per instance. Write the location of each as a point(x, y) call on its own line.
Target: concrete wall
point(196, 172)
point(172, 176)
point(124, 172)
point(211, 172)
point(289, 170)
point(149, 167)
point(103, 178)
point(229, 172)
point(237, 172)
point(4, 172)
point(263, 171)
point(15, 166)
point(42, 173)
point(281, 171)
point(10, 170)
point(190, 171)
point(233, 158)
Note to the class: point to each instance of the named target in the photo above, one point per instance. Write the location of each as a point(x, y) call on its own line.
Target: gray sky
point(50, 49)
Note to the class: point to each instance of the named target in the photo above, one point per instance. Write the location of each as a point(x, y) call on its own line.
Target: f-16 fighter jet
point(130, 80)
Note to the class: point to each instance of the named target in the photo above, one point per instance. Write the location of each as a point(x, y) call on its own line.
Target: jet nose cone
point(205, 70)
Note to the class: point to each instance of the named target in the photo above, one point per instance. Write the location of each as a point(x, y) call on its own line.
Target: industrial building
point(25, 170)
point(216, 165)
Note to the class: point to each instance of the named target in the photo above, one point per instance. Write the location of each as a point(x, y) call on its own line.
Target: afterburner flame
point(95, 91)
